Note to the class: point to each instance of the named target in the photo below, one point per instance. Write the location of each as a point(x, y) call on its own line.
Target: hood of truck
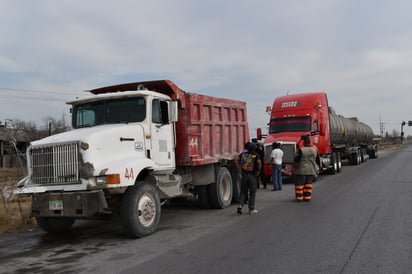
point(88, 152)
point(82, 134)
point(284, 137)
point(103, 147)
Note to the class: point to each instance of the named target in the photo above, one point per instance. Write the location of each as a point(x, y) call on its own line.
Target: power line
point(38, 91)
point(14, 97)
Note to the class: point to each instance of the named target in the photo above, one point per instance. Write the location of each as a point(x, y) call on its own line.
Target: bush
point(14, 211)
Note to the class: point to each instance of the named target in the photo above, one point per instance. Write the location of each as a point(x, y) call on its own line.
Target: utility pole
point(381, 126)
point(402, 134)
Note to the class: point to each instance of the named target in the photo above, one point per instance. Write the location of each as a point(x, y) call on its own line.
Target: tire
point(221, 191)
point(358, 158)
point(339, 156)
point(55, 225)
point(203, 196)
point(334, 168)
point(364, 156)
point(140, 210)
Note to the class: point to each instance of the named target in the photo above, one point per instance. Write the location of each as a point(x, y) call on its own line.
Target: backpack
point(248, 162)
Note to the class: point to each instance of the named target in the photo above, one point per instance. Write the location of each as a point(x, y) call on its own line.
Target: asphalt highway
point(359, 221)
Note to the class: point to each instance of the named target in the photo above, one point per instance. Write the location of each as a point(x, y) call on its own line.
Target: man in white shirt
point(276, 160)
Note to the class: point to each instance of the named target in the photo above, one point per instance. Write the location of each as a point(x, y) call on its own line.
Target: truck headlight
point(108, 179)
point(84, 146)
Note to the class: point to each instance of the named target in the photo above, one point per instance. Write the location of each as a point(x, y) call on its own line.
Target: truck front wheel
point(55, 225)
point(140, 210)
point(221, 192)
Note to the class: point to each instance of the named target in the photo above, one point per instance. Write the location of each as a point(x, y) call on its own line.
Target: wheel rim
point(146, 210)
point(224, 188)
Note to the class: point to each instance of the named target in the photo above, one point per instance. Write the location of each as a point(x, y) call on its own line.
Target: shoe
point(239, 210)
point(264, 186)
point(253, 211)
point(274, 189)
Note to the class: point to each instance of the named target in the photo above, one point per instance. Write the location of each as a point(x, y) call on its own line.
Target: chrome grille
point(289, 152)
point(57, 164)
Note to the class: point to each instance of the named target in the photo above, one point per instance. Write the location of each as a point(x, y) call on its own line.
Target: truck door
point(162, 139)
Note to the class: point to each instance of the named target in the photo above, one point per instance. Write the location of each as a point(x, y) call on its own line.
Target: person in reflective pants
point(307, 161)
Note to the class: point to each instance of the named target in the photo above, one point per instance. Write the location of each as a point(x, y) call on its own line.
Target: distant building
point(13, 145)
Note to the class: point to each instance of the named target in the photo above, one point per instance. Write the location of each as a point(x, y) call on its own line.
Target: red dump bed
point(208, 129)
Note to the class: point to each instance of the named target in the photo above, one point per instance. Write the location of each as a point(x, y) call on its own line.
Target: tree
point(28, 128)
point(32, 132)
point(53, 126)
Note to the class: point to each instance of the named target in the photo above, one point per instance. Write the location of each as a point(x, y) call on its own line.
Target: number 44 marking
point(128, 174)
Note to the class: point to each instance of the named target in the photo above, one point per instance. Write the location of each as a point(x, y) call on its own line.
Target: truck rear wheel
point(140, 210)
point(55, 225)
point(221, 192)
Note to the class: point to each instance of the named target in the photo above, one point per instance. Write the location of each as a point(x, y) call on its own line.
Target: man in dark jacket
point(249, 165)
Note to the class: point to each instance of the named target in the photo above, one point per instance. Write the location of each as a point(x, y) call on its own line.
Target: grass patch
point(14, 211)
point(14, 215)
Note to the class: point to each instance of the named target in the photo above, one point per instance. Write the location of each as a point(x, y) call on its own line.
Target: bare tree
point(53, 126)
point(27, 128)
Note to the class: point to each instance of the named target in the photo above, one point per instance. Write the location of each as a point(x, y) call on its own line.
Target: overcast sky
point(358, 51)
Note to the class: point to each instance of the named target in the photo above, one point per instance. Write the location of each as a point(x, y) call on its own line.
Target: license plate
point(56, 205)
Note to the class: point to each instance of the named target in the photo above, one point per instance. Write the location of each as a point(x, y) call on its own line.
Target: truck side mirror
point(172, 111)
point(259, 133)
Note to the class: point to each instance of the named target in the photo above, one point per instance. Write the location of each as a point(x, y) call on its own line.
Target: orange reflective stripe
point(308, 185)
point(307, 198)
point(298, 187)
point(299, 192)
point(307, 191)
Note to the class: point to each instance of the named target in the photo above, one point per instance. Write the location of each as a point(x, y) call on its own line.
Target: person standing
point(306, 170)
point(261, 154)
point(249, 165)
point(276, 158)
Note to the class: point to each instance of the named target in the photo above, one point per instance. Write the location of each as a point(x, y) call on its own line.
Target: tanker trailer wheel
point(140, 210)
point(364, 156)
point(334, 159)
point(55, 225)
point(359, 158)
point(339, 156)
point(221, 191)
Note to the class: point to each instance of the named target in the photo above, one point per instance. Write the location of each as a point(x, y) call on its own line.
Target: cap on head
point(251, 147)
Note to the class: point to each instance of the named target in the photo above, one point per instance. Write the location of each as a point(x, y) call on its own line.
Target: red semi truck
point(133, 147)
point(333, 136)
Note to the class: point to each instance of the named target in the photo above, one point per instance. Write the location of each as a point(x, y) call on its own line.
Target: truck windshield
point(124, 110)
point(290, 124)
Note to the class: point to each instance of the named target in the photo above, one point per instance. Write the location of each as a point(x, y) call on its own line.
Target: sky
point(358, 52)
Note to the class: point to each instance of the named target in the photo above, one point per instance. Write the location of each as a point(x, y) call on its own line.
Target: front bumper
point(81, 204)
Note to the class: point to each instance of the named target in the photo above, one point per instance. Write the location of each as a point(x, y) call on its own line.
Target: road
point(360, 221)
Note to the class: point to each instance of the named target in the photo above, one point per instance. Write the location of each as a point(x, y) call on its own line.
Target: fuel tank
point(348, 131)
